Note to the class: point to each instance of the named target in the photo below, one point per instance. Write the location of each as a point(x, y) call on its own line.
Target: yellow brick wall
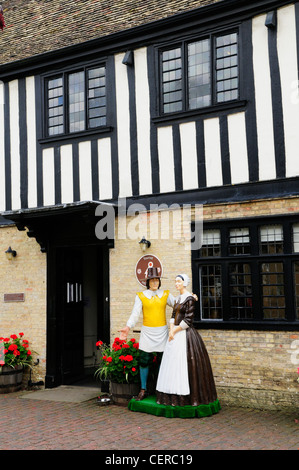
point(26, 273)
point(173, 253)
point(255, 367)
point(251, 368)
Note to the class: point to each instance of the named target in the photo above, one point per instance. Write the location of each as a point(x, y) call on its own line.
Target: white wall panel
point(105, 170)
point(2, 150)
point(287, 56)
point(31, 141)
point(66, 171)
point(166, 161)
point(14, 144)
point(85, 180)
point(263, 99)
point(238, 148)
point(123, 127)
point(189, 155)
point(143, 120)
point(213, 152)
point(48, 177)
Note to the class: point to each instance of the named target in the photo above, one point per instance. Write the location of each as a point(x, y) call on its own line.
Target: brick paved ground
point(42, 425)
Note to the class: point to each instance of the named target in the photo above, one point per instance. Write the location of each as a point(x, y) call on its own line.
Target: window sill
point(75, 135)
point(216, 109)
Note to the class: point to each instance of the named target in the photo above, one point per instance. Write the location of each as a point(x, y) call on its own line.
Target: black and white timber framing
point(243, 149)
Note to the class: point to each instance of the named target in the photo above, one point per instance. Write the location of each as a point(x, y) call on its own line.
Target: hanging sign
point(142, 265)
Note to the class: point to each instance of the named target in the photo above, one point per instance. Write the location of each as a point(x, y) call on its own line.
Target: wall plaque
point(142, 265)
point(14, 297)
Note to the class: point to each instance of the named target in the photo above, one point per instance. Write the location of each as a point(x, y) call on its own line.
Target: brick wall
point(251, 368)
point(26, 273)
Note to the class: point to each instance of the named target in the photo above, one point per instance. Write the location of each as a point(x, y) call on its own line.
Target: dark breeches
point(146, 359)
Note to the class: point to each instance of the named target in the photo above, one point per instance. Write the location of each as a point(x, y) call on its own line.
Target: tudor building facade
point(199, 108)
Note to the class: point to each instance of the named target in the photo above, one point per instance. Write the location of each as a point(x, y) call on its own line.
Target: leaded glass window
point(227, 81)
point(76, 101)
point(55, 104)
point(172, 80)
point(247, 271)
point(200, 73)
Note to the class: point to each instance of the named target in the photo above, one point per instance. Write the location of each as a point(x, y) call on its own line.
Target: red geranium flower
point(118, 361)
point(13, 336)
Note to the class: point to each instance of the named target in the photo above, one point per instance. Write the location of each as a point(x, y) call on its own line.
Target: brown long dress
point(200, 375)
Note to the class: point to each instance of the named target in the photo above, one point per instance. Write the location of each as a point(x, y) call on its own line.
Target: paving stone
point(55, 425)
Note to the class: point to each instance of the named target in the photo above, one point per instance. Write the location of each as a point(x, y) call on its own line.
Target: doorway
point(78, 313)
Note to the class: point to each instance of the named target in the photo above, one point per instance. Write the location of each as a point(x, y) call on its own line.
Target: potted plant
point(119, 363)
point(15, 355)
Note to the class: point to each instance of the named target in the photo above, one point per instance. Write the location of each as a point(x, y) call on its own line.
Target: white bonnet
point(185, 278)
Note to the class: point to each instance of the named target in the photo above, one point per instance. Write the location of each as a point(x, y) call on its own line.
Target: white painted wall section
point(105, 170)
point(166, 160)
point(238, 148)
point(287, 56)
point(189, 155)
point(263, 99)
point(14, 144)
point(48, 177)
point(85, 180)
point(31, 141)
point(143, 120)
point(2, 150)
point(213, 152)
point(123, 126)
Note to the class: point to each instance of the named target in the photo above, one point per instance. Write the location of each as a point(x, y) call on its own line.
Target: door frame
point(65, 225)
point(54, 363)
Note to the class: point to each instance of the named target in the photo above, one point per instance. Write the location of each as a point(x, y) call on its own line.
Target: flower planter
point(122, 393)
point(10, 379)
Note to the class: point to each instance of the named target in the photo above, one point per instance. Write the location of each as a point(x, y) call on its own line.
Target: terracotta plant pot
point(10, 379)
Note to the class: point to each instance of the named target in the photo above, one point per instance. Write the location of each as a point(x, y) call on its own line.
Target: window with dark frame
point(201, 73)
point(249, 271)
point(76, 101)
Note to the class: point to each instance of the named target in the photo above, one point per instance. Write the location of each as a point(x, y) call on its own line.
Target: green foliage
point(119, 362)
point(16, 351)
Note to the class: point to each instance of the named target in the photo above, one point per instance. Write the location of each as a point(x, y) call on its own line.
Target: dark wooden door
point(71, 312)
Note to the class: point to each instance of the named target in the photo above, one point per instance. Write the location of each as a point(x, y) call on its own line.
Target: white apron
point(173, 373)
